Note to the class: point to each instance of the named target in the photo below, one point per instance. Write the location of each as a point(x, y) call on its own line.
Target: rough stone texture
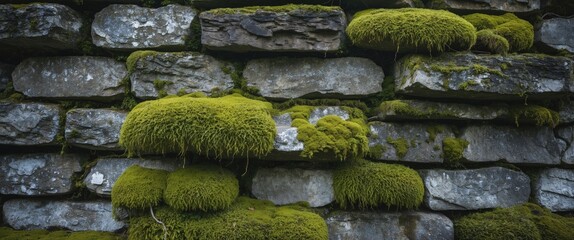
point(474, 189)
point(486, 5)
point(5, 75)
point(421, 147)
point(209, 4)
point(97, 129)
point(286, 186)
point(104, 174)
point(87, 78)
point(39, 174)
point(554, 189)
point(566, 138)
point(287, 78)
point(526, 145)
point(320, 112)
point(125, 27)
point(556, 33)
point(24, 214)
point(400, 226)
point(294, 31)
point(485, 77)
point(444, 111)
point(29, 123)
point(567, 113)
point(184, 71)
point(286, 139)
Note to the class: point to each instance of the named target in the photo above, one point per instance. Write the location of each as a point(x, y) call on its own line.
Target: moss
point(483, 21)
point(404, 108)
point(480, 69)
point(434, 130)
point(539, 115)
point(201, 188)
point(135, 56)
point(139, 188)
point(410, 29)
point(321, 102)
point(363, 184)
point(518, 33)
point(487, 40)
point(453, 149)
point(466, 84)
point(377, 151)
point(277, 9)
point(11, 234)
point(160, 85)
point(401, 146)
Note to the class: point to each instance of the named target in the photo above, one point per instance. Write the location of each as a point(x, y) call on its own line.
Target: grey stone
point(28, 214)
point(97, 129)
point(104, 174)
point(29, 123)
point(398, 226)
point(87, 78)
point(320, 112)
point(39, 174)
point(286, 186)
point(493, 187)
point(127, 27)
point(296, 30)
point(554, 189)
point(182, 72)
point(556, 33)
point(287, 78)
point(286, 139)
point(485, 77)
point(567, 113)
point(566, 137)
point(5, 75)
point(487, 5)
point(423, 141)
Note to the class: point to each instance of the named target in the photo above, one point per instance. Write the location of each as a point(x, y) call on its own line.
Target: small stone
point(97, 129)
point(554, 189)
point(29, 123)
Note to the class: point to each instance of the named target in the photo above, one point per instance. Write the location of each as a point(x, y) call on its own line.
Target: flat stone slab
point(287, 78)
point(39, 174)
point(129, 27)
point(85, 78)
point(29, 123)
point(556, 33)
point(182, 72)
point(493, 187)
point(5, 75)
point(486, 5)
point(427, 110)
point(28, 214)
point(400, 225)
point(286, 186)
point(97, 129)
point(554, 189)
point(262, 29)
point(485, 77)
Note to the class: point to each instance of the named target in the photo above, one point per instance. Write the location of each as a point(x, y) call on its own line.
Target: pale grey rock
point(97, 129)
point(129, 27)
point(486, 5)
point(86, 78)
point(566, 137)
point(567, 113)
point(286, 139)
point(5, 75)
point(493, 187)
point(29, 123)
point(287, 78)
point(554, 189)
point(320, 112)
point(556, 33)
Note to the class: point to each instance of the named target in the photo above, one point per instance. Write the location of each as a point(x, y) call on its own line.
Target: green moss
point(201, 188)
point(160, 85)
point(283, 8)
point(401, 146)
point(404, 108)
point(434, 130)
point(518, 33)
point(139, 188)
point(449, 68)
point(363, 184)
point(377, 151)
point(135, 56)
point(539, 115)
point(483, 21)
point(410, 29)
point(487, 40)
point(321, 102)
point(466, 84)
point(11, 234)
point(453, 149)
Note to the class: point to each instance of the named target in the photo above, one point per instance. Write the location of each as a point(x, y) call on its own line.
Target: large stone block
point(127, 27)
point(556, 33)
point(97, 129)
point(474, 189)
point(287, 78)
point(486, 5)
point(86, 78)
point(29, 123)
point(554, 189)
point(5, 75)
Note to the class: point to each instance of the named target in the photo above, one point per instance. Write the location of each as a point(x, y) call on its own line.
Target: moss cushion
point(139, 188)
point(518, 33)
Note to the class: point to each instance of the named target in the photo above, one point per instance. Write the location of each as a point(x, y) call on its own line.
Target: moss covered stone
point(538, 115)
point(276, 9)
point(518, 33)
point(453, 149)
point(139, 188)
point(11, 234)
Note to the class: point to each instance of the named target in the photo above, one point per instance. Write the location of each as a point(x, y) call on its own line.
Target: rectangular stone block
point(97, 129)
point(29, 124)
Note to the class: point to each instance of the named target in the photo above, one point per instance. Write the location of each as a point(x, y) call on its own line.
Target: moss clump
point(453, 149)
point(538, 115)
point(401, 146)
point(276, 9)
point(201, 188)
point(363, 184)
point(139, 188)
point(11, 234)
point(411, 29)
point(435, 130)
point(228, 126)
point(405, 108)
point(526, 221)
point(135, 56)
point(487, 40)
point(518, 33)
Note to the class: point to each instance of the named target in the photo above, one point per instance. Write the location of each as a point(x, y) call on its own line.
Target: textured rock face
point(183, 72)
point(26, 214)
point(474, 189)
point(567, 113)
point(484, 77)
point(487, 5)
point(405, 225)
point(39, 174)
point(286, 139)
point(566, 135)
point(29, 123)
point(286, 78)
point(298, 30)
point(286, 186)
point(210, 4)
point(557, 33)
point(554, 189)
point(89, 78)
point(97, 129)
point(426, 110)
point(125, 27)
point(5, 75)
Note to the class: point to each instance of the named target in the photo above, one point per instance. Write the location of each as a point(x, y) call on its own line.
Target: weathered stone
point(399, 226)
point(5, 75)
point(486, 5)
point(286, 139)
point(427, 110)
point(297, 30)
point(423, 142)
point(287, 78)
point(24, 214)
point(566, 138)
point(88, 78)
point(104, 174)
point(97, 129)
point(182, 72)
point(474, 189)
point(556, 33)
point(126, 27)
point(567, 113)
point(210, 4)
point(554, 189)
point(29, 123)
point(485, 77)
point(287, 186)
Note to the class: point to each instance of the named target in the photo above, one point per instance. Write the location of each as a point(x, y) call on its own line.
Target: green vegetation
point(139, 188)
point(401, 146)
point(135, 56)
point(453, 149)
point(538, 115)
point(11, 234)
point(277, 9)
point(487, 40)
point(434, 130)
point(518, 33)
point(404, 108)
point(160, 85)
point(363, 184)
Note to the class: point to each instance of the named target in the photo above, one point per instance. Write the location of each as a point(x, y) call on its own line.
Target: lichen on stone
point(401, 146)
point(518, 33)
point(139, 188)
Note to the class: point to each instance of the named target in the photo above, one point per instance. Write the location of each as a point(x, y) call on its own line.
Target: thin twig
point(160, 222)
